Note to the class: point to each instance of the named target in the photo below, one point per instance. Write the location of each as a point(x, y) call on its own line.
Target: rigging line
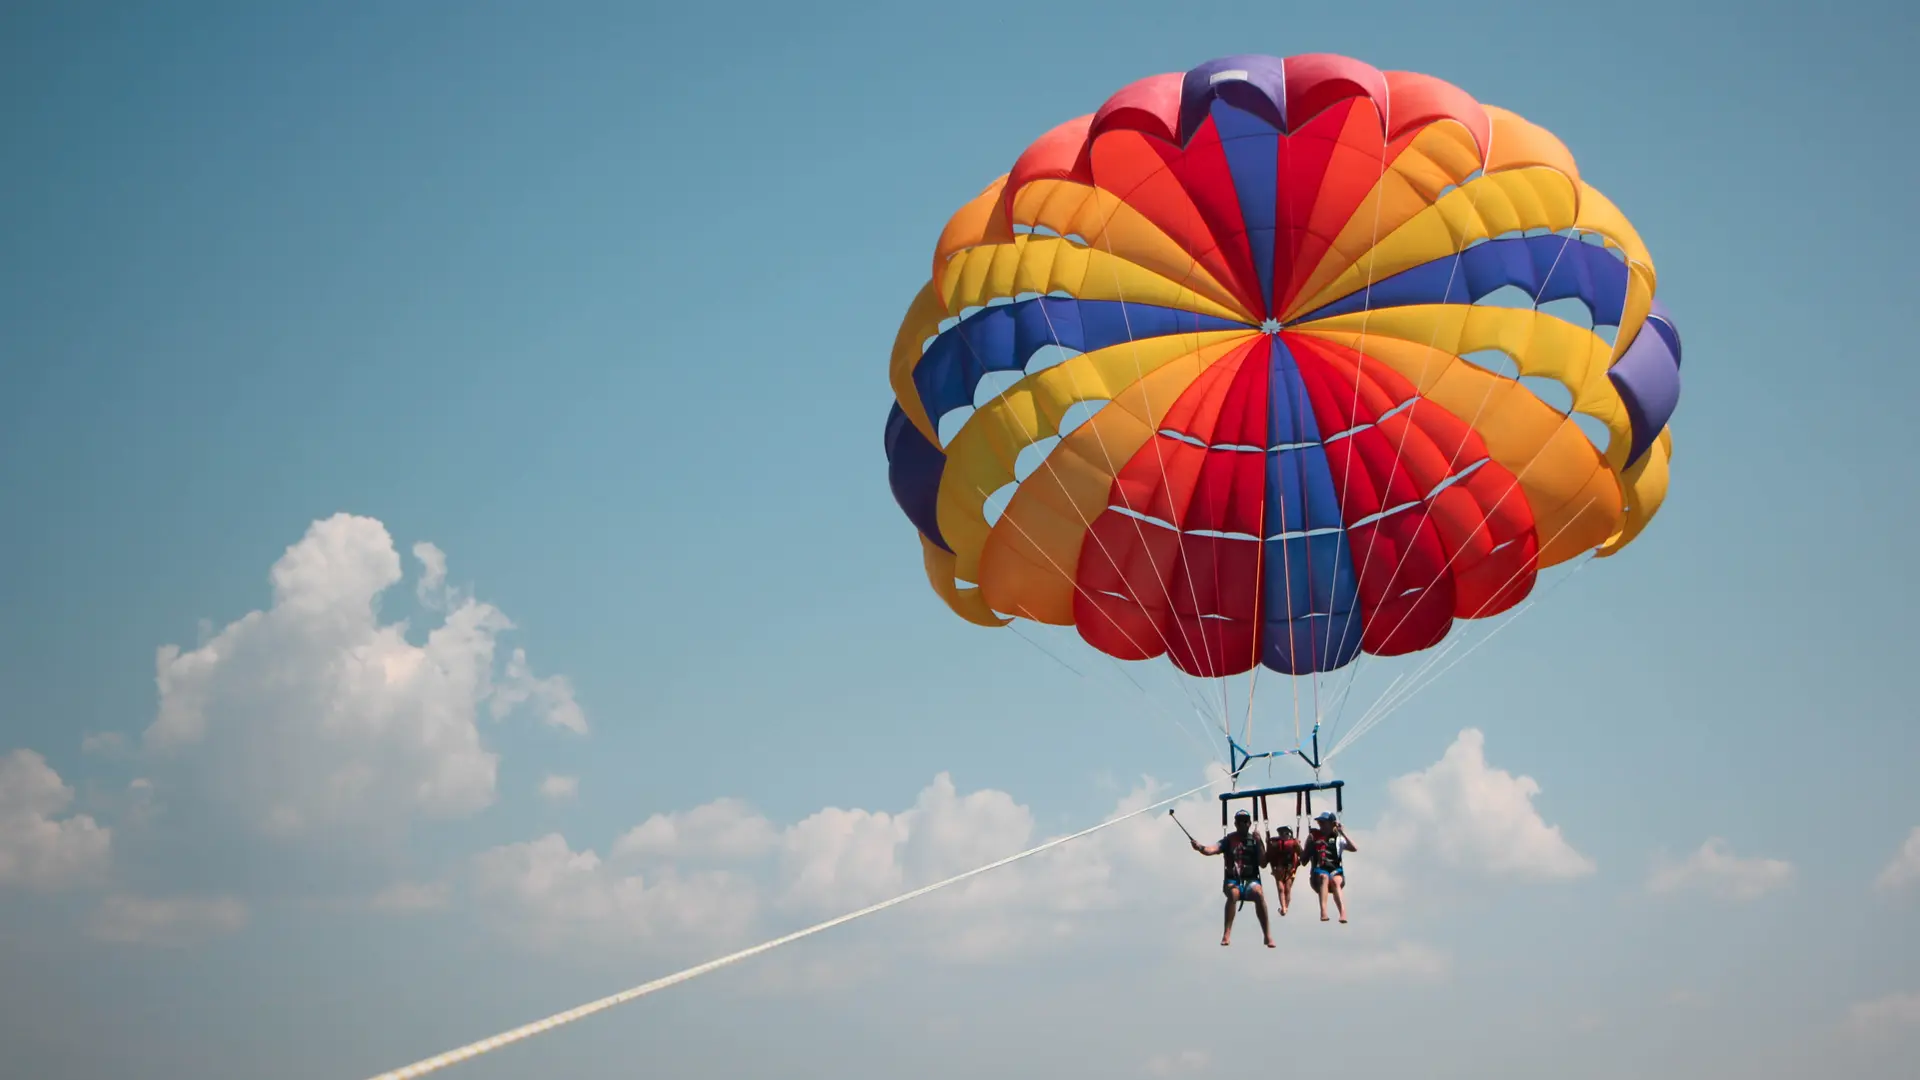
point(1370, 719)
point(1366, 307)
point(1028, 439)
point(1133, 348)
point(1366, 720)
point(1426, 510)
point(1206, 752)
point(1453, 269)
point(1377, 720)
point(1487, 518)
point(1259, 614)
point(505, 1038)
point(1114, 469)
point(1048, 653)
point(1081, 589)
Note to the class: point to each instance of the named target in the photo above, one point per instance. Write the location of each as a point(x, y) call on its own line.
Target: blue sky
point(597, 301)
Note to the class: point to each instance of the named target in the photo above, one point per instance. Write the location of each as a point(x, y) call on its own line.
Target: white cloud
point(177, 920)
point(103, 742)
point(725, 829)
point(1184, 1063)
point(409, 897)
point(726, 854)
point(1714, 869)
point(724, 869)
point(1462, 815)
point(552, 894)
point(39, 849)
point(1904, 869)
point(552, 696)
point(560, 788)
point(1891, 1013)
point(314, 713)
point(431, 589)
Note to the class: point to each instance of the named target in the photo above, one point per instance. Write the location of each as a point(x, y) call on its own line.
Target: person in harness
point(1283, 854)
point(1323, 851)
point(1243, 855)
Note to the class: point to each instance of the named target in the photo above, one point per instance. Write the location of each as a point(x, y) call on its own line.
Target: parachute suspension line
point(475, 1049)
point(1380, 715)
point(1427, 510)
point(1139, 529)
point(1200, 703)
point(1048, 653)
point(1184, 725)
point(1353, 412)
point(1160, 459)
point(1383, 707)
point(1453, 271)
point(1027, 437)
point(1453, 460)
point(1123, 630)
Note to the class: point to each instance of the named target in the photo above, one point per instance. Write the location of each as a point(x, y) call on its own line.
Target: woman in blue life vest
point(1324, 845)
point(1244, 853)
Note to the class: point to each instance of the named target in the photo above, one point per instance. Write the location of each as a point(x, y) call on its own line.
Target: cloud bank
point(315, 714)
point(39, 849)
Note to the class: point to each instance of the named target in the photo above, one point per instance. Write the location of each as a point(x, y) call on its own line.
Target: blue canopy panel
point(1647, 377)
point(1311, 620)
point(1550, 268)
point(914, 468)
point(1004, 337)
point(1252, 148)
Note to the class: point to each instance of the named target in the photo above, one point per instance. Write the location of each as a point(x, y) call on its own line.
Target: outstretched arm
point(1206, 849)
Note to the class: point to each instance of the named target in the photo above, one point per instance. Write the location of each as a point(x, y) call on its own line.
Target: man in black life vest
point(1243, 855)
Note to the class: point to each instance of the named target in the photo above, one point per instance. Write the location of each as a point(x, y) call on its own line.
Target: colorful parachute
point(1214, 349)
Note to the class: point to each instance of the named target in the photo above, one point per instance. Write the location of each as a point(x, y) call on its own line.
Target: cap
point(1325, 815)
point(1242, 815)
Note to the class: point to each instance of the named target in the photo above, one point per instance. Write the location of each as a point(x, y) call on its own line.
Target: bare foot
point(1323, 918)
point(1270, 944)
point(1223, 942)
point(1343, 918)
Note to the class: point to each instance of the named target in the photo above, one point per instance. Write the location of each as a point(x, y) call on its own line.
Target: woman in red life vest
point(1283, 854)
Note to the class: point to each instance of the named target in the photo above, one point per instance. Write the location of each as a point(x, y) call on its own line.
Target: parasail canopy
point(1231, 371)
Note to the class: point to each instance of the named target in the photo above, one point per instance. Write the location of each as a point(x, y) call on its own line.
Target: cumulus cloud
point(726, 868)
point(102, 742)
point(1714, 869)
point(551, 696)
point(1904, 869)
point(553, 894)
point(560, 788)
point(725, 829)
point(1462, 814)
point(431, 589)
point(1895, 1012)
point(410, 898)
point(38, 848)
point(167, 921)
point(314, 712)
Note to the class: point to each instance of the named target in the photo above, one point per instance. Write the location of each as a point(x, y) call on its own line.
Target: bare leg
point(1336, 884)
point(1233, 904)
point(1285, 887)
point(1260, 909)
point(1320, 887)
